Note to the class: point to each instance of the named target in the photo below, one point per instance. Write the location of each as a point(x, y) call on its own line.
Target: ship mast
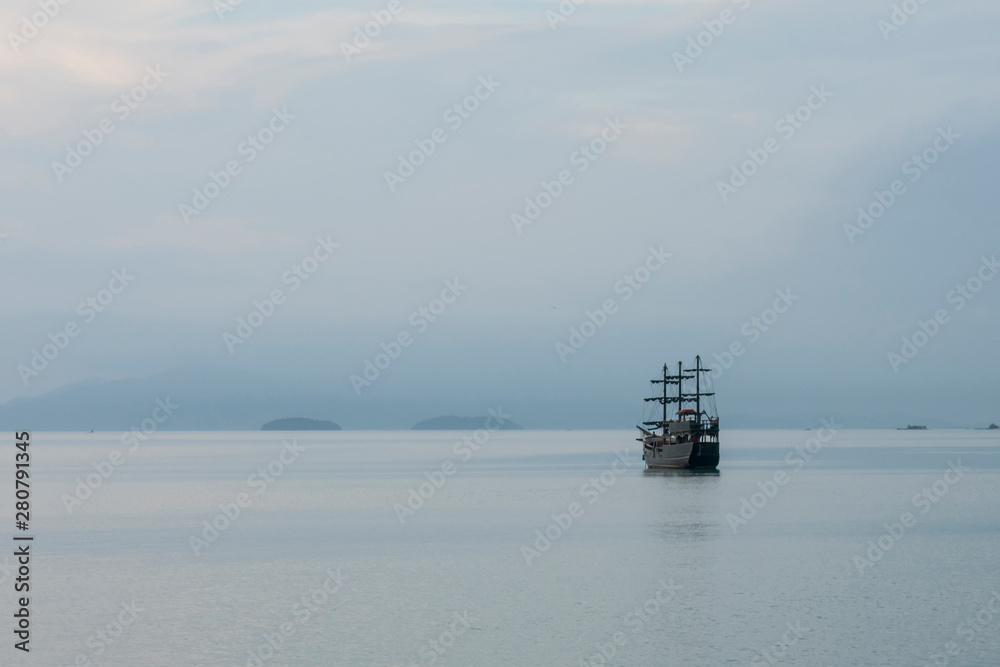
point(697, 386)
point(663, 398)
point(698, 393)
point(680, 392)
point(664, 395)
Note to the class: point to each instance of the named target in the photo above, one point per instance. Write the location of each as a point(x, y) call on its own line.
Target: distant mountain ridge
point(203, 398)
point(453, 423)
point(219, 398)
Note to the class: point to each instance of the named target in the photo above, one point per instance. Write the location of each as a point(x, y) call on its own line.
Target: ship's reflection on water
point(681, 472)
point(686, 507)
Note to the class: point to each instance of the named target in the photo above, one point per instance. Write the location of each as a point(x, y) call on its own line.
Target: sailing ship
point(690, 437)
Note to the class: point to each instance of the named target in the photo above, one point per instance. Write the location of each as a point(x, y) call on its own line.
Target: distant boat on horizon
point(690, 437)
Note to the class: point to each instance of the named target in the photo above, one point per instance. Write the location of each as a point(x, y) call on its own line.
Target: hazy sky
point(641, 138)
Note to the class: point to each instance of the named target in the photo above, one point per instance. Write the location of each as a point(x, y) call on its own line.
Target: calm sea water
point(654, 569)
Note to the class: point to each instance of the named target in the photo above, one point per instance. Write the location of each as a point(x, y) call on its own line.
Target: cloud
point(657, 185)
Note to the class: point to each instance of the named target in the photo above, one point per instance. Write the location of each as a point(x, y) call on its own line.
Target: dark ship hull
point(658, 454)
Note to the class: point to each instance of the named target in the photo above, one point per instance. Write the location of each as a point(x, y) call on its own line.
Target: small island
point(453, 423)
point(300, 424)
point(912, 427)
